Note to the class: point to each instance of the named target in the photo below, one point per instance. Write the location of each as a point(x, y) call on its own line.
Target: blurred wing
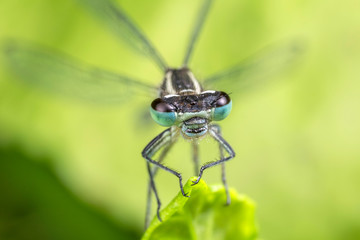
point(199, 23)
point(119, 23)
point(255, 71)
point(61, 74)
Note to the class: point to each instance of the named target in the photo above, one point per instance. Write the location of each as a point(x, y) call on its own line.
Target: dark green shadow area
point(34, 204)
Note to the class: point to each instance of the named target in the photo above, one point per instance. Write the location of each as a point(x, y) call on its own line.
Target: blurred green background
point(72, 170)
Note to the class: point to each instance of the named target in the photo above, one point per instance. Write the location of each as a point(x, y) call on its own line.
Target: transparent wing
point(199, 23)
point(121, 25)
point(62, 74)
point(256, 71)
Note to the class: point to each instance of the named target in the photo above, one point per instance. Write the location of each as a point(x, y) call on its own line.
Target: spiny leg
point(223, 173)
point(223, 178)
point(155, 191)
point(154, 146)
point(195, 156)
point(148, 205)
point(213, 130)
point(154, 171)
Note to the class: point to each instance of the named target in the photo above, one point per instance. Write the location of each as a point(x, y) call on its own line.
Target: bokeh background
point(73, 170)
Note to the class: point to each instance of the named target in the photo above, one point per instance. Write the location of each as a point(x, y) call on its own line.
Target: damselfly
point(183, 105)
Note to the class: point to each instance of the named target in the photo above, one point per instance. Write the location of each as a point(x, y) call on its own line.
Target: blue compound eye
point(222, 107)
point(163, 113)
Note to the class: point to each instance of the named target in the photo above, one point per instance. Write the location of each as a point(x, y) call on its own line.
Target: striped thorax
point(184, 104)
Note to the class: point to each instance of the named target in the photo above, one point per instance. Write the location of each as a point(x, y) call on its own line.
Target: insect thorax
point(179, 82)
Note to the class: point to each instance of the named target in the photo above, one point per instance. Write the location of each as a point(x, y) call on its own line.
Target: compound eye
point(223, 100)
point(223, 107)
point(163, 113)
point(160, 106)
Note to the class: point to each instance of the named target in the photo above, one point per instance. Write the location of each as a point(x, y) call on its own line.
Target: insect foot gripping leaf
point(205, 216)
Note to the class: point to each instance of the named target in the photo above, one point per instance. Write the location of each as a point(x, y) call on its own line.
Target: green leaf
point(205, 216)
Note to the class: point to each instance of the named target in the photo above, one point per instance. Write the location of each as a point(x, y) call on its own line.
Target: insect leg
point(154, 189)
point(223, 173)
point(154, 171)
point(224, 144)
point(195, 156)
point(153, 147)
